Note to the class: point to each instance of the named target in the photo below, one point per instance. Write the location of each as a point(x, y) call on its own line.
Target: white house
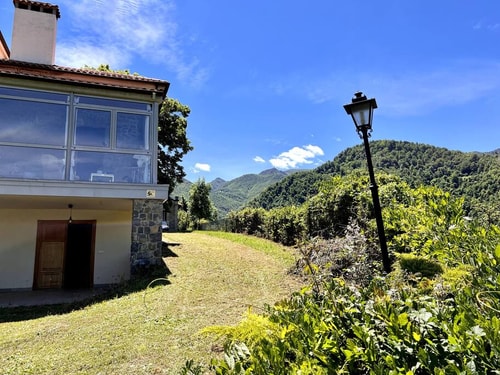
point(79, 202)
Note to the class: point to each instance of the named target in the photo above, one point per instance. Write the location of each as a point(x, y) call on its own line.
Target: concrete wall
point(18, 231)
point(34, 36)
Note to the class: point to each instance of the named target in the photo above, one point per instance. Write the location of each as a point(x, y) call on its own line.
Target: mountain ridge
point(472, 174)
point(234, 194)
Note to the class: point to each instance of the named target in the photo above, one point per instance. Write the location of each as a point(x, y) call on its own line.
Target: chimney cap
point(37, 6)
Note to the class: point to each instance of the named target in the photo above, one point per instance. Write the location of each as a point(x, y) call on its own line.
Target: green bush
point(285, 225)
point(351, 257)
point(419, 265)
point(248, 221)
point(346, 330)
point(183, 221)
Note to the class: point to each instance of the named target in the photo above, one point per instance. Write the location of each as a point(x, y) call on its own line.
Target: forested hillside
point(475, 176)
point(234, 194)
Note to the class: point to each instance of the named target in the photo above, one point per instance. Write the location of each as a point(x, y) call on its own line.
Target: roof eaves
point(85, 77)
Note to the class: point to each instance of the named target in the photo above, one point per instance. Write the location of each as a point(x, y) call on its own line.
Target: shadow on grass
point(138, 282)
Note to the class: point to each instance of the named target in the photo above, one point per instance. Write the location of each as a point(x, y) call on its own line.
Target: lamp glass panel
point(361, 114)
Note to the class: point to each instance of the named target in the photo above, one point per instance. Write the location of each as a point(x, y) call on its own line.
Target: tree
point(183, 205)
point(173, 143)
point(200, 206)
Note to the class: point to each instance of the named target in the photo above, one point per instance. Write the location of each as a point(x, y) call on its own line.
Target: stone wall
point(146, 235)
point(172, 214)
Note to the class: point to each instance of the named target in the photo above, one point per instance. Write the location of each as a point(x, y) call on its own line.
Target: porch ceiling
point(14, 193)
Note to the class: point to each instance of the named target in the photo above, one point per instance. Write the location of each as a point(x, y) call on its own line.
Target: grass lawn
point(214, 278)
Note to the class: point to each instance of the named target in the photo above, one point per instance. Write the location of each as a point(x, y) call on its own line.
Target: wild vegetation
point(473, 176)
point(435, 313)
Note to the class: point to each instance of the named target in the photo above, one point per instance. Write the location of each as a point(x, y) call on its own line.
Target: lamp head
point(361, 111)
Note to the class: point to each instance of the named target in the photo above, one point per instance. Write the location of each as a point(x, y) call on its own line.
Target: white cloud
point(296, 157)
point(401, 91)
point(117, 32)
point(258, 159)
point(201, 167)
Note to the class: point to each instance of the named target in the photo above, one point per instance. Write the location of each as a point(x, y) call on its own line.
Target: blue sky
point(266, 80)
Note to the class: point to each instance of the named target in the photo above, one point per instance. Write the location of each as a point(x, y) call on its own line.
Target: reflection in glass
point(24, 121)
point(92, 127)
point(132, 131)
point(31, 163)
point(110, 167)
point(10, 91)
point(112, 103)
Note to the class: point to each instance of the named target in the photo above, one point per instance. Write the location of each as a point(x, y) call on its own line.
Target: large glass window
point(92, 127)
point(132, 131)
point(32, 122)
point(110, 167)
point(45, 134)
point(32, 163)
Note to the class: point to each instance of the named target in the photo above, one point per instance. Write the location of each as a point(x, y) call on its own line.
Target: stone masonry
point(146, 235)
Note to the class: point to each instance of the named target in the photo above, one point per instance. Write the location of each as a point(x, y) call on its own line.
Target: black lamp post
point(361, 110)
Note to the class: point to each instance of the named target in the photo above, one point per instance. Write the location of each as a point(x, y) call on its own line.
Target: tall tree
point(200, 206)
point(173, 143)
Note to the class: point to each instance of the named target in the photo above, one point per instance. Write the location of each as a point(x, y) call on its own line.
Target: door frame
point(64, 226)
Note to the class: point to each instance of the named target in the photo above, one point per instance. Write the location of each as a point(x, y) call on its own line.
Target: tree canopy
point(200, 206)
point(173, 143)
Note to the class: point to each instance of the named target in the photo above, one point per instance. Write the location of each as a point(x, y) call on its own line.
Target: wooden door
point(50, 253)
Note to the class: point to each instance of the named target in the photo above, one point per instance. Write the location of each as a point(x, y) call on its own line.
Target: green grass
point(273, 249)
point(154, 330)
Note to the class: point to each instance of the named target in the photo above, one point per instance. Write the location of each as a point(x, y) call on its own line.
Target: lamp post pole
point(361, 111)
point(376, 204)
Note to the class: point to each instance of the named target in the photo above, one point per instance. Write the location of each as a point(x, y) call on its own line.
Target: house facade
point(79, 202)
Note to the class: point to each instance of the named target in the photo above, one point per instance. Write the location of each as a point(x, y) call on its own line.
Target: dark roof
point(37, 5)
point(87, 77)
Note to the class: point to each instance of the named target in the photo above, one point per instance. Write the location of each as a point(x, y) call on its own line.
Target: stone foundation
point(146, 235)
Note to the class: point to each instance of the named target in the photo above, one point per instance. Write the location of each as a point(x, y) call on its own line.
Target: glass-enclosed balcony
point(67, 137)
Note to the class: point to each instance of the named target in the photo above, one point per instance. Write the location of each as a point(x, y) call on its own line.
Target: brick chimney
point(34, 32)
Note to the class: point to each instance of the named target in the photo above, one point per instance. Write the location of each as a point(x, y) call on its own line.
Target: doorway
point(64, 254)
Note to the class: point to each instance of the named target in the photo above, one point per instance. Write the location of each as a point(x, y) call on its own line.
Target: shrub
point(247, 221)
point(285, 225)
point(183, 221)
point(351, 257)
point(419, 265)
point(348, 330)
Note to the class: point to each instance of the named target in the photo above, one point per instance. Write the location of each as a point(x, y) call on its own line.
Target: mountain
point(217, 183)
point(292, 190)
point(472, 175)
point(234, 194)
point(182, 190)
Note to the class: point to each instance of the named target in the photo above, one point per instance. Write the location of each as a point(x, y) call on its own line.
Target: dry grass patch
point(213, 281)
